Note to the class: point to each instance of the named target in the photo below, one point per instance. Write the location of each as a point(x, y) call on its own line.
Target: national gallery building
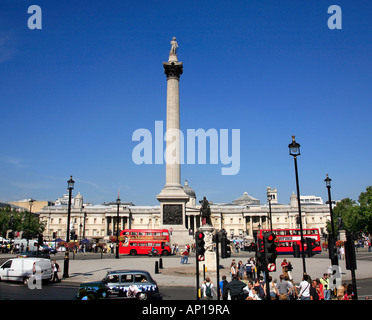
point(242, 218)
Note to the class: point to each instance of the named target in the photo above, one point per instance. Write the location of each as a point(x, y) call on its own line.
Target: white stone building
point(242, 218)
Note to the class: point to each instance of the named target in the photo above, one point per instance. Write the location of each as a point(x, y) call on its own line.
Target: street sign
point(271, 267)
point(201, 257)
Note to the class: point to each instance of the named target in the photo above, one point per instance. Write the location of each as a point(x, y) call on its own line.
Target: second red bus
point(286, 238)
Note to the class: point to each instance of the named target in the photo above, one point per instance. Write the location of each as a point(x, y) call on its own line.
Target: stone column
point(172, 197)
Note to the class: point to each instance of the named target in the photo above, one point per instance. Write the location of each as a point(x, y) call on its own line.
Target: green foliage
point(27, 222)
point(356, 216)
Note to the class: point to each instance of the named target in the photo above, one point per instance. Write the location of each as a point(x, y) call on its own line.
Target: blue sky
point(73, 93)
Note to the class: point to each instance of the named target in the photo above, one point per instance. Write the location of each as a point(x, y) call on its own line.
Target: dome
point(188, 190)
point(79, 196)
point(246, 199)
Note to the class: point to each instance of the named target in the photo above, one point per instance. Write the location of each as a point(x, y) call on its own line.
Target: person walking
point(249, 269)
point(314, 290)
point(304, 288)
point(240, 269)
point(223, 291)
point(207, 286)
point(289, 270)
point(326, 287)
point(236, 288)
point(233, 271)
point(283, 288)
point(55, 271)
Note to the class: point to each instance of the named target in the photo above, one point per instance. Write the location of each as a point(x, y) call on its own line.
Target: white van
point(21, 269)
point(23, 243)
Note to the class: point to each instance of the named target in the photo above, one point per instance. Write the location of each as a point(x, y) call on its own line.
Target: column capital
point(173, 70)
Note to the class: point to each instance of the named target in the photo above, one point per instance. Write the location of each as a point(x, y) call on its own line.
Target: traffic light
point(350, 252)
point(225, 247)
point(332, 251)
point(270, 250)
point(199, 243)
point(310, 246)
point(260, 254)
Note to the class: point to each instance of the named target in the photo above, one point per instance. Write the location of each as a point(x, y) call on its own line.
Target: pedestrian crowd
point(247, 282)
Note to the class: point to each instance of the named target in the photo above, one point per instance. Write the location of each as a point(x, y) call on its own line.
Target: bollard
point(156, 267)
point(161, 263)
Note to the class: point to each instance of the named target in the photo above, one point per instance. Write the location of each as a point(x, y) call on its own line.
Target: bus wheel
point(133, 252)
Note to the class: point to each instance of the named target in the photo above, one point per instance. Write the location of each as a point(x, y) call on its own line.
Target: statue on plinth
point(205, 212)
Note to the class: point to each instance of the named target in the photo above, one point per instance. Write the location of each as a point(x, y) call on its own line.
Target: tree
point(14, 220)
point(365, 205)
point(356, 216)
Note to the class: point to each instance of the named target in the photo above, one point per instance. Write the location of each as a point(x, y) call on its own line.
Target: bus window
point(142, 244)
point(150, 244)
point(141, 233)
point(148, 233)
point(133, 233)
point(164, 233)
point(134, 244)
point(126, 233)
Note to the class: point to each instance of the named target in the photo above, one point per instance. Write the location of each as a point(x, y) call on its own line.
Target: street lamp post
point(70, 187)
point(117, 228)
point(327, 180)
point(294, 150)
point(30, 202)
point(269, 198)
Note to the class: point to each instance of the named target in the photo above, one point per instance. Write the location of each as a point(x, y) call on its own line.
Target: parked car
point(33, 254)
point(47, 250)
point(22, 269)
point(135, 284)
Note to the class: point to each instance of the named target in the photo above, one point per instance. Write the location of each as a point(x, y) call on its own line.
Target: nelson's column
point(172, 197)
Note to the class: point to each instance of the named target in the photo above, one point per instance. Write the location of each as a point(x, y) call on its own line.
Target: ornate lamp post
point(117, 228)
point(70, 187)
point(269, 198)
point(327, 180)
point(294, 151)
point(30, 203)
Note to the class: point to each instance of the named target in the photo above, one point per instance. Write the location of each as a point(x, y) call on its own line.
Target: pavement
point(176, 274)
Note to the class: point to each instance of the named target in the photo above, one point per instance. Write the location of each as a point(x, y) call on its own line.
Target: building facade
point(242, 218)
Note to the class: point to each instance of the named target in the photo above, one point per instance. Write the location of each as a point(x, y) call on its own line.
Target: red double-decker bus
point(141, 241)
point(286, 238)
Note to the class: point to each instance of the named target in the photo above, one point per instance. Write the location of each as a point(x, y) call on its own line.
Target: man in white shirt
point(304, 288)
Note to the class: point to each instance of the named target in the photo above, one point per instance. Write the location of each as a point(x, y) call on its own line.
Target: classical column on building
point(172, 197)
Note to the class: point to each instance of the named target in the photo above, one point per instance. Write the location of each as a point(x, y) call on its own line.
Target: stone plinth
point(210, 260)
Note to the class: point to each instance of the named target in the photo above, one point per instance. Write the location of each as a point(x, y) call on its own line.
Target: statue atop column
point(205, 212)
point(174, 46)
